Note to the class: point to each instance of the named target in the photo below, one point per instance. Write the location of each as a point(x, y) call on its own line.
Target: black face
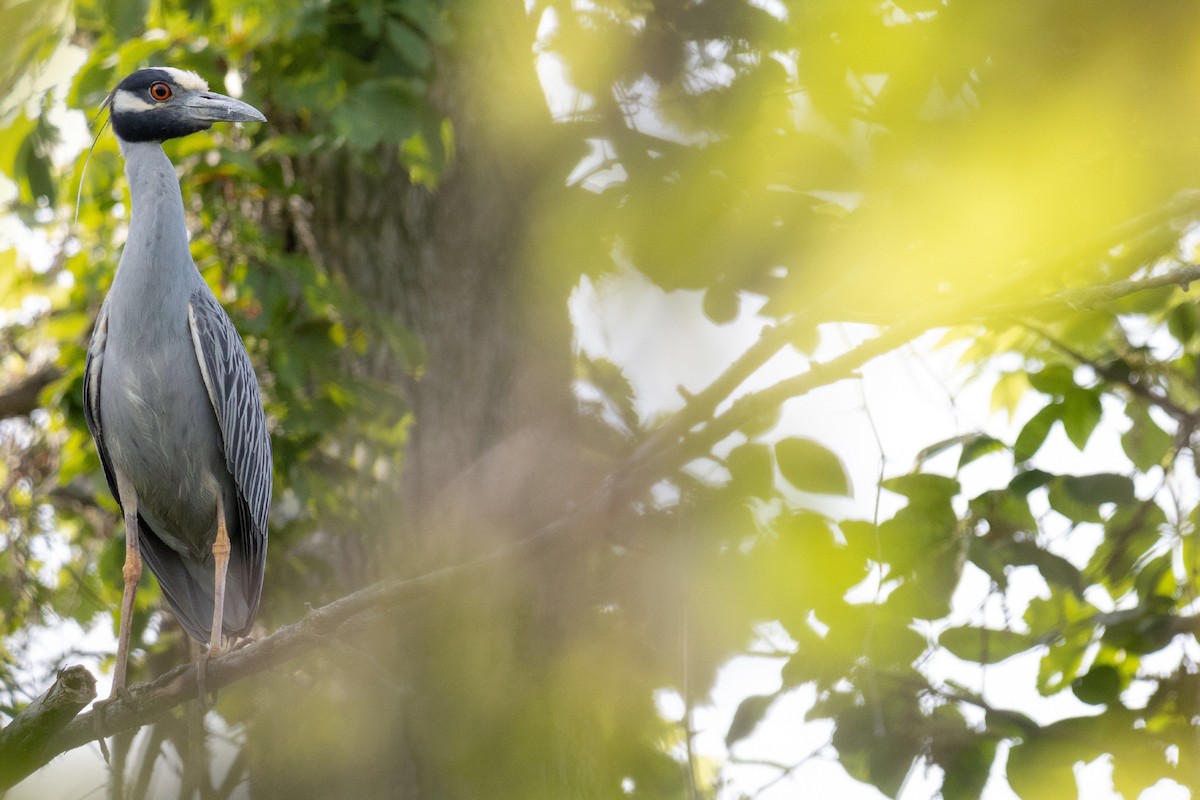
point(149, 111)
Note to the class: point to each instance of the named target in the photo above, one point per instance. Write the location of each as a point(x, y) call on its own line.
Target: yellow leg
point(220, 551)
point(132, 574)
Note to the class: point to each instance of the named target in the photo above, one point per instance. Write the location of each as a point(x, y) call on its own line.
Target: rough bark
point(451, 263)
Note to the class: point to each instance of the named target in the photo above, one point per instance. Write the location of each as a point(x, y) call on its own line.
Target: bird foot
point(202, 677)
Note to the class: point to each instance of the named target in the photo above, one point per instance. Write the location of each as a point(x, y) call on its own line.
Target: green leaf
point(721, 303)
point(1061, 613)
point(937, 448)
point(1146, 628)
point(751, 469)
point(978, 446)
point(126, 18)
point(749, 714)
point(612, 383)
point(1145, 442)
point(923, 489)
point(370, 17)
point(1079, 497)
point(1081, 412)
point(1101, 685)
point(379, 110)
point(1042, 767)
point(426, 16)
point(1181, 322)
point(974, 445)
point(1055, 380)
point(1054, 568)
point(408, 44)
point(1155, 577)
point(1006, 512)
point(1034, 434)
point(984, 645)
point(811, 467)
point(1103, 487)
point(966, 772)
point(1025, 482)
point(1008, 391)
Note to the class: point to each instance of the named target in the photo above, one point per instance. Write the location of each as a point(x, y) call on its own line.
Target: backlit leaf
point(811, 467)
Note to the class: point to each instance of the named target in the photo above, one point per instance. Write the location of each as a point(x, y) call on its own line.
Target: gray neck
point(156, 261)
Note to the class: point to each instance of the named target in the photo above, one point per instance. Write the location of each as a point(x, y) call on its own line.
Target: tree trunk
point(450, 263)
point(492, 456)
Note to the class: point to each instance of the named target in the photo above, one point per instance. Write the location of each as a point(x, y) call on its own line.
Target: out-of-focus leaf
point(1006, 513)
point(1034, 434)
point(1054, 568)
point(408, 44)
point(966, 771)
point(1010, 387)
point(1026, 481)
point(379, 110)
point(1156, 578)
point(751, 469)
point(1056, 380)
point(612, 383)
point(811, 467)
point(126, 17)
point(983, 645)
point(1101, 684)
point(978, 446)
point(1081, 412)
point(1043, 767)
point(721, 303)
point(921, 488)
point(1145, 443)
point(937, 448)
point(749, 714)
point(1103, 487)
point(1181, 322)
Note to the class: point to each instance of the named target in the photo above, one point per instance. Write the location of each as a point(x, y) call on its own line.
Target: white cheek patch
point(186, 79)
point(128, 101)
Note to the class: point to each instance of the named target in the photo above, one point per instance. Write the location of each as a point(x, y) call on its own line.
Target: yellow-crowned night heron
point(169, 393)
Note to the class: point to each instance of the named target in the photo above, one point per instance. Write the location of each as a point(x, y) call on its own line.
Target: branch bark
point(23, 741)
point(22, 398)
point(36, 736)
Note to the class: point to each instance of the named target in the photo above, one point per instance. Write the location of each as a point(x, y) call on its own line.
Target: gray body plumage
point(173, 404)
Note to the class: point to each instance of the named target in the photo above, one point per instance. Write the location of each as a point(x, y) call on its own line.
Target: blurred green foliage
point(908, 164)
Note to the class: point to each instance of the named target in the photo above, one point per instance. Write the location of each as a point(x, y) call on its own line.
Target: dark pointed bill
point(213, 107)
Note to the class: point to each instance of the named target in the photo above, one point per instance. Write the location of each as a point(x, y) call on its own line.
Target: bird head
point(160, 103)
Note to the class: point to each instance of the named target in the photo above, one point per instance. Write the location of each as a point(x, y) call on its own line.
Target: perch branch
point(22, 741)
point(148, 702)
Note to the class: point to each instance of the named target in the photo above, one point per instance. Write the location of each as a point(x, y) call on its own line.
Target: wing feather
point(91, 396)
point(233, 391)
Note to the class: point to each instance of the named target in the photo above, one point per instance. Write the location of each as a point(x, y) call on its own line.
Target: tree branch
point(19, 400)
point(22, 741)
point(674, 449)
point(149, 701)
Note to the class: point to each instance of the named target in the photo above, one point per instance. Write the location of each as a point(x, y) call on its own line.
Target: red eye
point(160, 92)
